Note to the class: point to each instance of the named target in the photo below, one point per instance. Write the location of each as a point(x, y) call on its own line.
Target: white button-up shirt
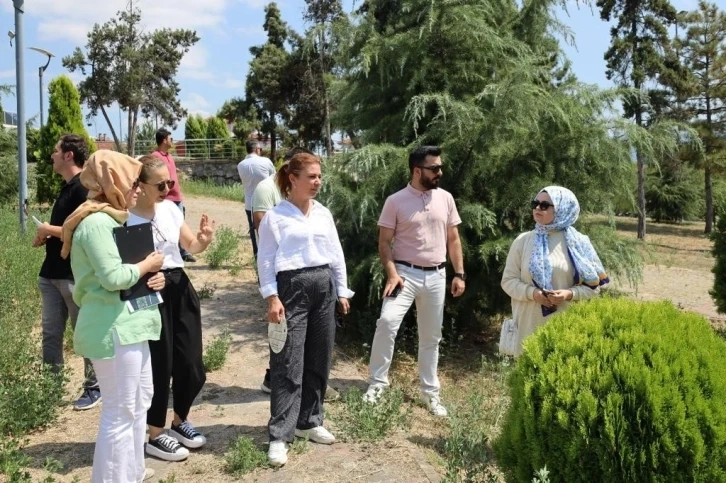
point(289, 240)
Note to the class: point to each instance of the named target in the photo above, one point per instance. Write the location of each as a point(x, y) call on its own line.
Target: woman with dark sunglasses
point(551, 265)
point(178, 352)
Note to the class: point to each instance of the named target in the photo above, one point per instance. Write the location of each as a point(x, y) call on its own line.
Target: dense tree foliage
point(64, 117)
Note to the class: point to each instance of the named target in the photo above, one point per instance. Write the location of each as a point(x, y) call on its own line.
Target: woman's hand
point(275, 310)
point(157, 282)
point(206, 231)
point(558, 297)
point(344, 305)
point(541, 298)
point(152, 263)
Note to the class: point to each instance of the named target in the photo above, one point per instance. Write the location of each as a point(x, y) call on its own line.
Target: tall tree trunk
point(641, 184)
point(129, 142)
point(133, 121)
point(110, 127)
point(326, 99)
point(709, 199)
point(273, 145)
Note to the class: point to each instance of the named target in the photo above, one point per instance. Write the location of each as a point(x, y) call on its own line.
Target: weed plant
point(224, 248)
point(216, 354)
point(365, 422)
point(244, 456)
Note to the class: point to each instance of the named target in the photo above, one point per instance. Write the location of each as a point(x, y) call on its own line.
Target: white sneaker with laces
point(277, 454)
point(433, 404)
point(373, 394)
point(317, 434)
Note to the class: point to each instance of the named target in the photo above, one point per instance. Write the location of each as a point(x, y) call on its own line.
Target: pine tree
point(64, 117)
point(266, 80)
point(703, 51)
point(217, 128)
point(635, 56)
point(192, 128)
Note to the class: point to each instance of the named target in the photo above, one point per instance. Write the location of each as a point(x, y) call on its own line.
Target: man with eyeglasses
point(418, 225)
point(164, 143)
point(56, 278)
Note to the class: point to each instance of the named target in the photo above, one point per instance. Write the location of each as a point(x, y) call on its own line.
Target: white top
point(252, 170)
point(517, 282)
point(289, 241)
point(166, 228)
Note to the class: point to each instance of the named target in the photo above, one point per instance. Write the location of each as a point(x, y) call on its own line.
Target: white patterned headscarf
point(589, 270)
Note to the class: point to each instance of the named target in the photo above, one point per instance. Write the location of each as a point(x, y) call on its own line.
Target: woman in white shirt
point(178, 352)
point(302, 274)
point(550, 265)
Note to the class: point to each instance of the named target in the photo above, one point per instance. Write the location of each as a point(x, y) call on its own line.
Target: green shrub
point(244, 456)
point(216, 354)
point(64, 117)
point(224, 248)
point(718, 292)
point(615, 390)
point(363, 421)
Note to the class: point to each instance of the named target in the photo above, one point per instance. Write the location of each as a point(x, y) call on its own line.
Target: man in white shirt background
point(253, 169)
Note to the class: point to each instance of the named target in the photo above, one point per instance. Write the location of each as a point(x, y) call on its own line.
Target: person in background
point(418, 226)
point(252, 170)
point(56, 279)
point(551, 265)
point(302, 274)
point(177, 355)
point(266, 197)
point(164, 143)
point(107, 331)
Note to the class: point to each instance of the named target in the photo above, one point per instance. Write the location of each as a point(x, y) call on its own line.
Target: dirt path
point(231, 403)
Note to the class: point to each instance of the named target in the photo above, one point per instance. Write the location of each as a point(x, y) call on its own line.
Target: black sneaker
point(89, 399)
point(189, 258)
point(187, 435)
point(265, 386)
point(166, 448)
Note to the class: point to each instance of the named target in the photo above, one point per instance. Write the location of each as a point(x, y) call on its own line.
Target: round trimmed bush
point(615, 390)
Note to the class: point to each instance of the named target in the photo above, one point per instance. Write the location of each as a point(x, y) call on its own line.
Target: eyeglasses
point(160, 186)
point(158, 235)
point(436, 168)
point(135, 184)
point(543, 205)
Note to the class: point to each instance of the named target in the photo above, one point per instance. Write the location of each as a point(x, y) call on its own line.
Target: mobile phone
point(397, 290)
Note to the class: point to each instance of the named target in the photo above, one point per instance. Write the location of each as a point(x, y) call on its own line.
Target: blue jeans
point(180, 204)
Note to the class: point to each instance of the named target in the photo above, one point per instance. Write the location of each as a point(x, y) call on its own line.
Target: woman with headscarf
point(551, 265)
point(107, 332)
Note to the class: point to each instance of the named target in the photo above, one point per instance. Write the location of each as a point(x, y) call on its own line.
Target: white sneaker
point(433, 404)
point(373, 394)
point(277, 454)
point(317, 434)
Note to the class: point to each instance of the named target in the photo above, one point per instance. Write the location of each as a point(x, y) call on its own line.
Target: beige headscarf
point(108, 175)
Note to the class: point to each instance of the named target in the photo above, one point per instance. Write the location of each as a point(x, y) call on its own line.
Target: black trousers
point(299, 373)
point(253, 237)
point(178, 352)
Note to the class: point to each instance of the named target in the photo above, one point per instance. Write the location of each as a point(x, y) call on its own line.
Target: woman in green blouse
point(115, 339)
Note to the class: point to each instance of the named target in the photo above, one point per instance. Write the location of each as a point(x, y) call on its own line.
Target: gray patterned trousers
point(299, 373)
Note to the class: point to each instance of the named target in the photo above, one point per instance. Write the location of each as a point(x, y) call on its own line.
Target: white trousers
point(127, 388)
point(428, 290)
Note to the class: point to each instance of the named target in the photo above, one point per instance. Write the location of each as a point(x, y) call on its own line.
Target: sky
point(216, 67)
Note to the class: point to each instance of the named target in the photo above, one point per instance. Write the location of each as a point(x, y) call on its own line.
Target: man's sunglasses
point(135, 184)
point(436, 168)
point(168, 183)
point(543, 205)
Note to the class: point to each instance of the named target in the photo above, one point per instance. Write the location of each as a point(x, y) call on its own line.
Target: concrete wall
point(218, 171)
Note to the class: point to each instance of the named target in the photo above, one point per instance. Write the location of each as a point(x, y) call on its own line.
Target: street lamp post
point(20, 97)
point(41, 69)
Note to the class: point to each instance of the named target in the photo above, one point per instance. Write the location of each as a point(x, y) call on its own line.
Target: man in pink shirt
point(422, 220)
point(164, 142)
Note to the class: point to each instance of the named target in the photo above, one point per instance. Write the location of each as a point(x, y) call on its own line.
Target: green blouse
point(99, 276)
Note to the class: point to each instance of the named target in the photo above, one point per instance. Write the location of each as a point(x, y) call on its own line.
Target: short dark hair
point(251, 145)
point(419, 154)
point(296, 150)
point(73, 143)
point(161, 135)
